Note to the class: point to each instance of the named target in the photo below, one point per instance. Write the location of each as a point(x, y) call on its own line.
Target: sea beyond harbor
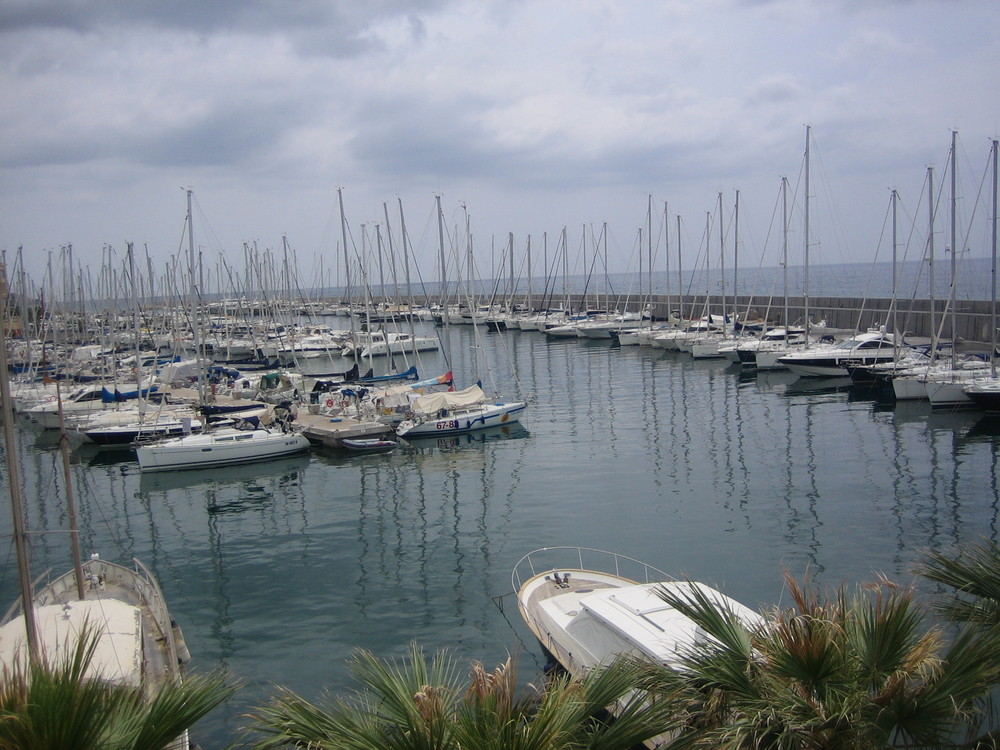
point(279, 571)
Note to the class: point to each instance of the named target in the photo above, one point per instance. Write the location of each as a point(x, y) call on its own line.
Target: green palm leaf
point(56, 705)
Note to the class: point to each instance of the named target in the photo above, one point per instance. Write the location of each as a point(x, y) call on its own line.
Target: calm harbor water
point(277, 572)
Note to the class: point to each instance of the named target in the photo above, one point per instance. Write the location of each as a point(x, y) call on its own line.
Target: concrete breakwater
point(971, 320)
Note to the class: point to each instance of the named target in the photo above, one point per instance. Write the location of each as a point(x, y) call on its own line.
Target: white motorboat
point(220, 447)
point(588, 607)
point(829, 361)
point(455, 412)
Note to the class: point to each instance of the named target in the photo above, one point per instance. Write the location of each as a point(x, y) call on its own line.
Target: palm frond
point(975, 576)
point(57, 704)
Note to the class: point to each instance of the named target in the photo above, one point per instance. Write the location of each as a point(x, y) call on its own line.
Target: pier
point(971, 318)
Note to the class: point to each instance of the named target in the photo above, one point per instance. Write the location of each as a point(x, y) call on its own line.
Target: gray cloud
point(548, 113)
point(318, 26)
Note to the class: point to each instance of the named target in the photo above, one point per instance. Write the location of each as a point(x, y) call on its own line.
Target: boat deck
point(111, 592)
point(548, 606)
point(569, 592)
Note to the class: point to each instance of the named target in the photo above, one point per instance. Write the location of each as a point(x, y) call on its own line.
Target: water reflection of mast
point(684, 396)
point(651, 412)
point(714, 452)
point(222, 626)
point(736, 427)
point(903, 484)
point(813, 494)
point(796, 448)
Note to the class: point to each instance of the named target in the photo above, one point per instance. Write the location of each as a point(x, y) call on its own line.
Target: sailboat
point(136, 641)
point(985, 393)
point(454, 412)
point(222, 446)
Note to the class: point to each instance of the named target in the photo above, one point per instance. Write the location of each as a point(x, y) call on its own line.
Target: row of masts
point(273, 286)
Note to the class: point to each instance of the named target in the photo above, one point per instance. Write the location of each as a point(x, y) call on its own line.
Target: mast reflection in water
point(278, 571)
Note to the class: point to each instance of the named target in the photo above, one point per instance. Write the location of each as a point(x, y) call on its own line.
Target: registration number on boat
point(447, 424)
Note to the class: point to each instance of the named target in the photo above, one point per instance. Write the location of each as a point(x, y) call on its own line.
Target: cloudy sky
point(526, 117)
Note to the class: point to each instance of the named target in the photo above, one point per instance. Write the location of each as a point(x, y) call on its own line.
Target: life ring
point(329, 403)
point(345, 403)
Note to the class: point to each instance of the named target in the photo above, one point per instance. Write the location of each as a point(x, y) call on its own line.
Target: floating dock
point(322, 429)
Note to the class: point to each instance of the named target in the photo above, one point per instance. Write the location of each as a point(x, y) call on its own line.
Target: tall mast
point(406, 262)
point(954, 251)
point(607, 285)
point(722, 263)
point(649, 264)
point(530, 302)
point(736, 252)
point(510, 265)
point(666, 255)
point(193, 294)
point(930, 259)
point(565, 275)
point(441, 272)
point(993, 271)
point(708, 254)
point(14, 482)
point(784, 247)
point(680, 276)
point(805, 275)
point(895, 328)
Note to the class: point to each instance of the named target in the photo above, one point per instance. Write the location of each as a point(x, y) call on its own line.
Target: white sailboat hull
point(222, 447)
point(465, 419)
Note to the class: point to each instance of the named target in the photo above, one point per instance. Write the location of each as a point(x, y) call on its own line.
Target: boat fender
point(329, 403)
point(183, 653)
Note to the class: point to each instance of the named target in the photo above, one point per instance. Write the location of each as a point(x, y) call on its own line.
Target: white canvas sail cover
point(118, 655)
point(174, 372)
point(434, 402)
point(393, 396)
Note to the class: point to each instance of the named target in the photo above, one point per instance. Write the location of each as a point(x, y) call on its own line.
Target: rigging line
point(767, 242)
point(498, 602)
point(82, 482)
point(8, 565)
point(975, 206)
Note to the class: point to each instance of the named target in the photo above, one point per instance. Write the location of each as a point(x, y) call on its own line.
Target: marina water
point(278, 572)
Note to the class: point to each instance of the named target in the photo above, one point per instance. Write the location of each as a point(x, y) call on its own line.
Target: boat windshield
point(849, 343)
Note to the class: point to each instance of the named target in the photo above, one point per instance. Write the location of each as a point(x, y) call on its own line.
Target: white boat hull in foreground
point(586, 611)
point(137, 642)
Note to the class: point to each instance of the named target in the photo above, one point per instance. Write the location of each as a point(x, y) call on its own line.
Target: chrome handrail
point(536, 562)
